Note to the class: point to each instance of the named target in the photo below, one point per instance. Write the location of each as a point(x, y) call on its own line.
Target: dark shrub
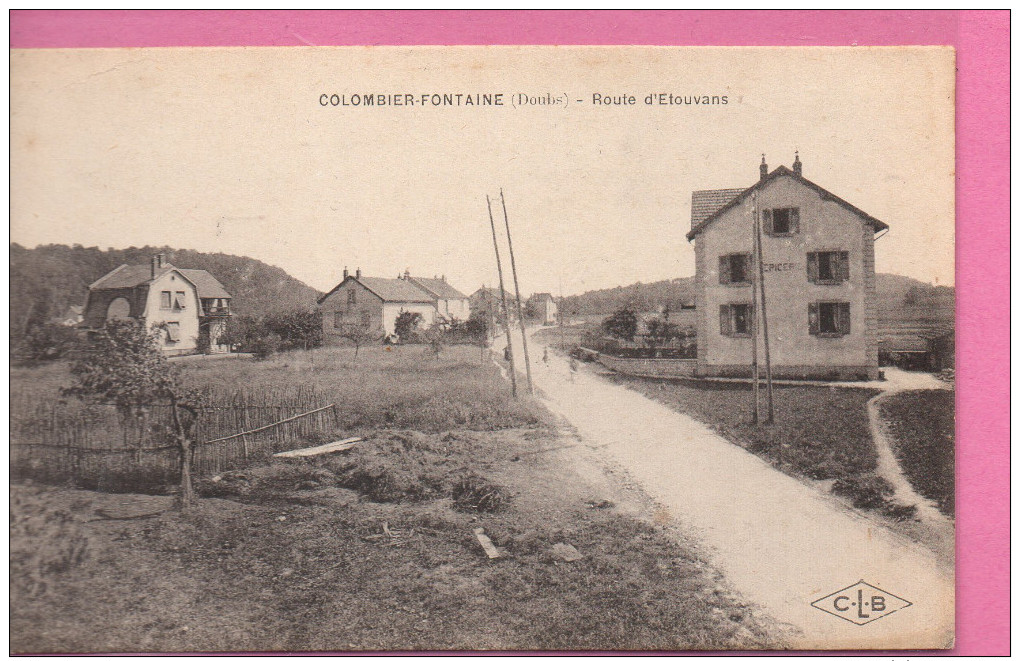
point(265, 346)
point(867, 491)
point(473, 493)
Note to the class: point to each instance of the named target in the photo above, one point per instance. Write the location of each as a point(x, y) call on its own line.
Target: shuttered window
point(781, 222)
point(179, 300)
point(165, 300)
point(338, 318)
point(829, 267)
point(735, 268)
point(735, 320)
point(828, 319)
point(173, 331)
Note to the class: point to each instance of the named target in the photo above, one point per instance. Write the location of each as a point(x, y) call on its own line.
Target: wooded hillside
point(47, 279)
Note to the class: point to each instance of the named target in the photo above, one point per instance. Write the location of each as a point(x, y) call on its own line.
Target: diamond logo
point(861, 603)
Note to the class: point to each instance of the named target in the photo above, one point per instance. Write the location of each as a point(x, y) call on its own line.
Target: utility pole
point(517, 288)
point(754, 306)
point(563, 342)
point(764, 315)
point(502, 295)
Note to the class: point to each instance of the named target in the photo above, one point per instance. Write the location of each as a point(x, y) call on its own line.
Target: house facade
point(190, 304)
point(451, 305)
point(818, 259)
point(543, 307)
point(371, 305)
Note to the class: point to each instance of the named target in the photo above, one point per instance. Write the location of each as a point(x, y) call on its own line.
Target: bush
point(473, 493)
point(265, 346)
point(867, 491)
point(621, 324)
point(45, 545)
point(297, 330)
point(47, 342)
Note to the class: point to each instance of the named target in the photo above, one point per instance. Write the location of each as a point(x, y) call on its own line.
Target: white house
point(191, 304)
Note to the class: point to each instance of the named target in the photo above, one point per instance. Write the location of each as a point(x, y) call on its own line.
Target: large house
point(190, 304)
point(372, 305)
point(818, 257)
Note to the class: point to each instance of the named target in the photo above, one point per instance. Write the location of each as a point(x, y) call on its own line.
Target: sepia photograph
point(486, 348)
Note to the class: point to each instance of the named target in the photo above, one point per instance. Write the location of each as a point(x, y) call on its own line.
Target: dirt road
point(781, 543)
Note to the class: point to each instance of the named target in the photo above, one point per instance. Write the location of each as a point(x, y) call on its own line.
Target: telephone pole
point(764, 315)
point(517, 289)
point(754, 306)
point(502, 296)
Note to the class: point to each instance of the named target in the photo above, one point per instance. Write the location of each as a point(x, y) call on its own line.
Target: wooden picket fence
point(100, 447)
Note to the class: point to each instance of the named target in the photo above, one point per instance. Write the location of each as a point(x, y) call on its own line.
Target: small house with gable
point(372, 305)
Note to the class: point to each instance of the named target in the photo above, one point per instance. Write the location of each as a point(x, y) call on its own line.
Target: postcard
point(482, 348)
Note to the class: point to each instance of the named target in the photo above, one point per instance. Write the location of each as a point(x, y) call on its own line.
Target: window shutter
point(844, 318)
point(812, 267)
point(766, 215)
point(724, 320)
point(844, 266)
point(724, 270)
point(794, 220)
point(813, 324)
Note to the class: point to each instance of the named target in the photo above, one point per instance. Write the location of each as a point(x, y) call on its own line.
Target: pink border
point(982, 42)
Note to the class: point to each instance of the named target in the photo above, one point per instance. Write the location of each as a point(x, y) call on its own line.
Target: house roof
point(542, 297)
point(133, 275)
point(208, 286)
point(709, 198)
point(390, 290)
point(438, 287)
point(704, 203)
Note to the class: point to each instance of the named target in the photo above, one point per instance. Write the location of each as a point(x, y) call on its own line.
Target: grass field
point(922, 423)
point(395, 387)
point(820, 433)
point(374, 548)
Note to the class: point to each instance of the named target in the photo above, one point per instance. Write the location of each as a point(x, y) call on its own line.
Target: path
point(779, 542)
point(938, 529)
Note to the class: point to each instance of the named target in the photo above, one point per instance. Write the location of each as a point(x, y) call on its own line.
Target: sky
point(231, 150)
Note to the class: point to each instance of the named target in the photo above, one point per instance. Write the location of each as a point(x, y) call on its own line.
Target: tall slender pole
point(563, 343)
point(502, 295)
point(754, 305)
point(517, 289)
point(764, 319)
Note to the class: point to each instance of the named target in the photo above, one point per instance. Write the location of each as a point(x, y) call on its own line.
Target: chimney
point(407, 274)
point(155, 266)
point(346, 273)
point(797, 165)
point(357, 274)
point(444, 277)
point(763, 169)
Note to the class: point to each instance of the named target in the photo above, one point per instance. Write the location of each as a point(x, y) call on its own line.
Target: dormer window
point(781, 222)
